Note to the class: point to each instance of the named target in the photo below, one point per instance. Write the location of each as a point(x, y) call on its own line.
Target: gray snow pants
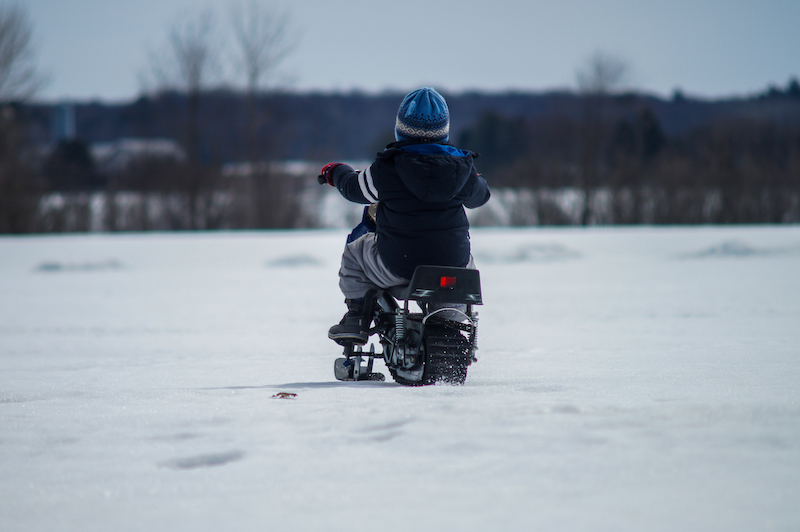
point(363, 269)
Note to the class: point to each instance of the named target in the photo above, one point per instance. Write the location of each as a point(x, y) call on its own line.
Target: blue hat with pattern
point(423, 115)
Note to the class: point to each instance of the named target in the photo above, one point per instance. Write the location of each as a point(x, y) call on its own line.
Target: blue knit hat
point(423, 115)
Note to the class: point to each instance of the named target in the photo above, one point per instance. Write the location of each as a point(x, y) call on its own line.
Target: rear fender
point(443, 284)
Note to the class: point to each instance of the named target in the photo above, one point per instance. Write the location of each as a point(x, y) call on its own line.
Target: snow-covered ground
point(629, 379)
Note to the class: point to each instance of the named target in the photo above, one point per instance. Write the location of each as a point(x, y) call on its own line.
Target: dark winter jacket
point(422, 189)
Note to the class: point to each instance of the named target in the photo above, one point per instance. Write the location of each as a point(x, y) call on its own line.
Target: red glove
point(326, 174)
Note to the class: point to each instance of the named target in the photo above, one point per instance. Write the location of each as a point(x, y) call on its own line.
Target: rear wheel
point(445, 356)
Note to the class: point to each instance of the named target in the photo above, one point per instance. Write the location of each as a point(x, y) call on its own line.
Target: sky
point(101, 49)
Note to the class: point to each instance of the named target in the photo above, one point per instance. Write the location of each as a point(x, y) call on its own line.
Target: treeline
point(556, 158)
point(738, 164)
point(318, 126)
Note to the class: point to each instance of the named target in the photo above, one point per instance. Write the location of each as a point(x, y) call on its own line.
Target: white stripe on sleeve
point(367, 185)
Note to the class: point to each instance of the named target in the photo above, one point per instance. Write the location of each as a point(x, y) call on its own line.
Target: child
point(421, 184)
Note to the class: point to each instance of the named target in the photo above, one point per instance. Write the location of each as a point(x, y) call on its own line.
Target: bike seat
point(399, 292)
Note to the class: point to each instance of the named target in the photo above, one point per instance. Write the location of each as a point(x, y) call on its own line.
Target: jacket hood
point(432, 172)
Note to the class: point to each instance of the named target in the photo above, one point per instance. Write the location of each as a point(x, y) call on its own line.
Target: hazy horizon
point(93, 50)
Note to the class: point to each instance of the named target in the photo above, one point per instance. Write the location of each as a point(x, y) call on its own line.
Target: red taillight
point(447, 282)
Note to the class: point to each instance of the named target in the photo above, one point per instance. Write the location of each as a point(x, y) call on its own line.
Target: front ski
point(352, 368)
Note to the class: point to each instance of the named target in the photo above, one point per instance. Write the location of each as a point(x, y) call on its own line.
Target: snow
point(628, 379)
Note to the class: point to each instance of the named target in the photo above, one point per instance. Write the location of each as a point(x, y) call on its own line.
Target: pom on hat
point(423, 115)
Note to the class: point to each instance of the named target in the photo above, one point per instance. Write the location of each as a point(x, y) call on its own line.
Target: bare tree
point(262, 37)
point(600, 75)
point(263, 40)
point(190, 63)
point(18, 76)
point(20, 190)
point(190, 60)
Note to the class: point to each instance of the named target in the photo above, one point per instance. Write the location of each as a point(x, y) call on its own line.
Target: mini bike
point(434, 343)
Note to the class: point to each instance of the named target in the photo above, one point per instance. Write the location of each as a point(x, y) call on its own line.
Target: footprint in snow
point(204, 460)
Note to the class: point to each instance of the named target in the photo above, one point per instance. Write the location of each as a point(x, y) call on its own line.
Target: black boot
point(354, 327)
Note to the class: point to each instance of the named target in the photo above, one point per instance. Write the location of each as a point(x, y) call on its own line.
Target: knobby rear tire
point(441, 363)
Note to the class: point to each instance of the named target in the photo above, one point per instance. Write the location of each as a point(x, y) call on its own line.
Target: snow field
point(628, 379)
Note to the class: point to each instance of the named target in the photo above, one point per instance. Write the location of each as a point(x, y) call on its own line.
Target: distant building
point(118, 154)
point(63, 123)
